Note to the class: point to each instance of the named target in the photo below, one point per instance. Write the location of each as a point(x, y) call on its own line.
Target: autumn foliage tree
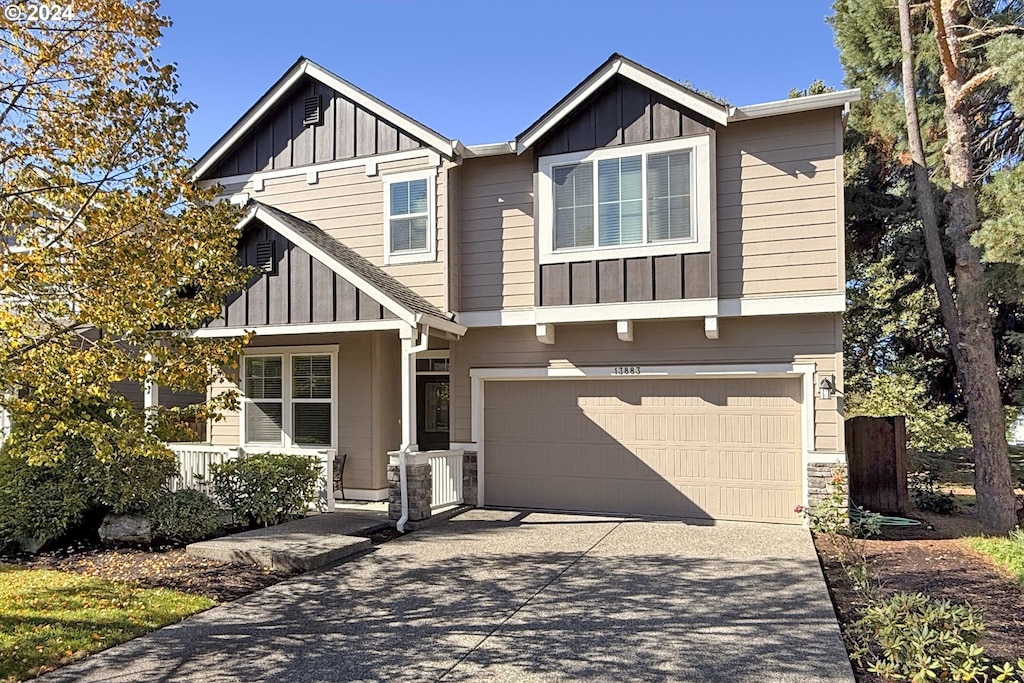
point(110, 256)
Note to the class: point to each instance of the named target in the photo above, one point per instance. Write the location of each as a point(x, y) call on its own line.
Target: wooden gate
point(876, 451)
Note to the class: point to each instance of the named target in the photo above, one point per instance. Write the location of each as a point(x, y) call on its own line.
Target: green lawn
point(48, 618)
point(1006, 550)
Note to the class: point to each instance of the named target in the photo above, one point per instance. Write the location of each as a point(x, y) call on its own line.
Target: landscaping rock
point(126, 529)
point(31, 545)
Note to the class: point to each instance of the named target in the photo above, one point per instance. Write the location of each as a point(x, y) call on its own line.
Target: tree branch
point(973, 83)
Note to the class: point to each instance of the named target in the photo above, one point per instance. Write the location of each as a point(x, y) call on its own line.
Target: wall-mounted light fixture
point(825, 389)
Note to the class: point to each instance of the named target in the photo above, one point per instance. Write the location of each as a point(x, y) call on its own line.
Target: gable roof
point(306, 67)
point(381, 287)
point(627, 68)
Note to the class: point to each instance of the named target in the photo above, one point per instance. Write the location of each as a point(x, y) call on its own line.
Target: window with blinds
point(408, 213)
point(311, 400)
point(610, 200)
point(289, 400)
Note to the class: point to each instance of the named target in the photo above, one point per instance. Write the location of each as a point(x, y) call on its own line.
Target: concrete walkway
point(508, 596)
point(299, 546)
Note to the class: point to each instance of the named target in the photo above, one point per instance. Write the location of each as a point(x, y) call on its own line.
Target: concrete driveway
point(511, 596)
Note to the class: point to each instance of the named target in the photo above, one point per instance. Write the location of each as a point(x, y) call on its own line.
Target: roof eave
point(620, 65)
point(795, 105)
point(303, 67)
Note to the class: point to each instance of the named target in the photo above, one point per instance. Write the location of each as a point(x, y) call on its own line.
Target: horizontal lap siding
point(787, 339)
point(368, 401)
point(496, 245)
point(778, 190)
point(349, 205)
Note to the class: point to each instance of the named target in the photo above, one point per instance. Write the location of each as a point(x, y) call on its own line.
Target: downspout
point(403, 483)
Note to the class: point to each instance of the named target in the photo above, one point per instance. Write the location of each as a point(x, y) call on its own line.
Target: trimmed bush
point(267, 488)
point(43, 503)
point(184, 516)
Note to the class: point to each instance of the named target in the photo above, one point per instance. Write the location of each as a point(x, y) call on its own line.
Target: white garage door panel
point(723, 449)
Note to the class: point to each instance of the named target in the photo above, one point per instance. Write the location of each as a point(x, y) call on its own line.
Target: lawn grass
point(48, 618)
point(1006, 550)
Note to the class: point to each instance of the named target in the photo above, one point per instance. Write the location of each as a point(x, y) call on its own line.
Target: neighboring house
point(629, 308)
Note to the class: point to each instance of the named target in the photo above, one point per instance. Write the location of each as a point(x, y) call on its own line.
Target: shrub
point(924, 489)
point(930, 425)
point(42, 503)
point(911, 637)
point(267, 488)
point(183, 516)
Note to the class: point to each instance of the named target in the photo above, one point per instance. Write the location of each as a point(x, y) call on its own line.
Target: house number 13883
point(626, 370)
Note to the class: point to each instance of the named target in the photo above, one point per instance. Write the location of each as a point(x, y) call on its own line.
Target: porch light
point(825, 389)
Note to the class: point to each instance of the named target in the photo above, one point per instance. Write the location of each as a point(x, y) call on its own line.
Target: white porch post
point(408, 336)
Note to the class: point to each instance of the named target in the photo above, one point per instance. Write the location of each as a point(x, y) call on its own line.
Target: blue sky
point(483, 71)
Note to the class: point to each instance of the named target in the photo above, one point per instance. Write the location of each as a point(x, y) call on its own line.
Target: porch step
point(299, 546)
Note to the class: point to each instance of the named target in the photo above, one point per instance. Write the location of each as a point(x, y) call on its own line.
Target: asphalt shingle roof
point(348, 258)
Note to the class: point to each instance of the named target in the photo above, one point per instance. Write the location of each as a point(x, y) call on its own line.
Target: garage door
point(720, 449)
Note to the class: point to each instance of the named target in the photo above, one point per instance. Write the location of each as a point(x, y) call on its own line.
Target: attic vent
point(265, 260)
point(312, 112)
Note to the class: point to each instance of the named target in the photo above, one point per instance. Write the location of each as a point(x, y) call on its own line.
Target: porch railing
point(194, 460)
point(446, 474)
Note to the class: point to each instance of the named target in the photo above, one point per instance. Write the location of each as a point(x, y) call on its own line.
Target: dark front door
point(432, 421)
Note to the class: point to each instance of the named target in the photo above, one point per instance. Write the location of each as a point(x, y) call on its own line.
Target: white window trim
point(702, 196)
point(285, 353)
point(420, 255)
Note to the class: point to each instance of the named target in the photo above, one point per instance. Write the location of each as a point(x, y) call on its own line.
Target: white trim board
point(352, 495)
point(312, 328)
point(794, 105)
point(654, 310)
point(258, 178)
point(305, 67)
point(800, 371)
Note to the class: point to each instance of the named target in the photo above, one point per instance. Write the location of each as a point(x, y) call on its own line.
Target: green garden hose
point(855, 514)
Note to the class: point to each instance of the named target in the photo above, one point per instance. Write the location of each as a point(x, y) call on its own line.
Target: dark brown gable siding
point(301, 290)
point(622, 112)
point(279, 140)
point(645, 278)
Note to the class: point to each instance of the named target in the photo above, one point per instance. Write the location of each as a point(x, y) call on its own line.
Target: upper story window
point(409, 222)
point(630, 201)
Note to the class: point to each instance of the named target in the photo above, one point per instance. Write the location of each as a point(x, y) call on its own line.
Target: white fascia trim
point(428, 254)
point(702, 194)
point(369, 289)
point(796, 104)
point(635, 310)
point(243, 126)
point(313, 328)
point(260, 177)
point(782, 305)
point(374, 106)
point(660, 85)
point(727, 308)
point(435, 323)
point(490, 149)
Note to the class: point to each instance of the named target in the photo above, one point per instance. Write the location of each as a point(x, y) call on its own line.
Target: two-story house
point(635, 306)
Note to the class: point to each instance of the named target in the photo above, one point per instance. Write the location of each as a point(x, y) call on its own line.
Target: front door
point(432, 421)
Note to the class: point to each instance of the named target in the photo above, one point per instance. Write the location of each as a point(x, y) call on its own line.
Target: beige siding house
point(633, 307)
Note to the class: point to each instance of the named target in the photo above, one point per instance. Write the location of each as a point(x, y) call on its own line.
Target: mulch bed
point(935, 560)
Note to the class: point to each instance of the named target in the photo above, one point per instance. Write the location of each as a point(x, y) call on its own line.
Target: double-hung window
point(636, 200)
point(289, 398)
point(409, 223)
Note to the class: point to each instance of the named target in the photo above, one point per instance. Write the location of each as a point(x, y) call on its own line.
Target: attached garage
point(692, 448)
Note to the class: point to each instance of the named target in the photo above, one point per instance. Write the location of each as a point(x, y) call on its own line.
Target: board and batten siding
point(496, 233)
point(369, 393)
point(780, 194)
point(787, 339)
point(280, 140)
point(349, 206)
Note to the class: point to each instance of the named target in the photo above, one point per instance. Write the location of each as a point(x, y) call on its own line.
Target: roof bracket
point(546, 333)
point(711, 327)
point(624, 329)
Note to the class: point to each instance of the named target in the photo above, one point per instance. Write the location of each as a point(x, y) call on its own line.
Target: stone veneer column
point(469, 478)
point(819, 476)
point(419, 482)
